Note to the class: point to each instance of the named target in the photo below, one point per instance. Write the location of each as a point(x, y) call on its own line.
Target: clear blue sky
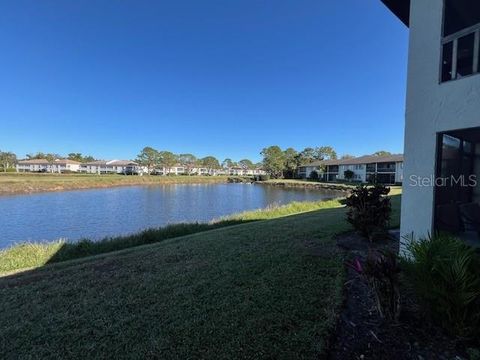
point(211, 77)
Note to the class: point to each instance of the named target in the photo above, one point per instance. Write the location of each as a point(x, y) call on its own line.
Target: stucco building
point(442, 132)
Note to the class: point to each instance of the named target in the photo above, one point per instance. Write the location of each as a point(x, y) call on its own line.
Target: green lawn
point(263, 289)
point(31, 255)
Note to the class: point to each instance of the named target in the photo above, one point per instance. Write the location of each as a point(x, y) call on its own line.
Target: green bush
point(369, 210)
point(265, 177)
point(314, 175)
point(445, 273)
point(348, 175)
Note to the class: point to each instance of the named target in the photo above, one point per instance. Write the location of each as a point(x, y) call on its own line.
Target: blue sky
point(211, 77)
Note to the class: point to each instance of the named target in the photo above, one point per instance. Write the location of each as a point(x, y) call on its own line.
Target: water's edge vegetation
point(31, 255)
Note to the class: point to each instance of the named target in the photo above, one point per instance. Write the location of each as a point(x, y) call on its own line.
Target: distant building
point(385, 169)
point(241, 171)
point(126, 167)
point(42, 165)
point(111, 167)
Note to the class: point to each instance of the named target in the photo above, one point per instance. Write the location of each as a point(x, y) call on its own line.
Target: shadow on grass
point(84, 248)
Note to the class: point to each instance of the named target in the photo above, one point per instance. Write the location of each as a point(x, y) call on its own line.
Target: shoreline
point(287, 183)
point(27, 184)
point(32, 183)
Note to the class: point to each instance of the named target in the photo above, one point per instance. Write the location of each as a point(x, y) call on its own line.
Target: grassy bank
point(309, 184)
point(338, 186)
point(25, 183)
point(29, 255)
point(268, 288)
point(306, 182)
point(261, 289)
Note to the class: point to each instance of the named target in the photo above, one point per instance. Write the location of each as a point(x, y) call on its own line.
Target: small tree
point(246, 164)
point(51, 160)
point(227, 163)
point(291, 163)
point(7, 160)
point(167, 159)
point(148, 157)
point(348, 175)
point(273, 161)
point(75, 156)
point(189, 161)
point(369, 210)
point(211, 163)
point(314, 175)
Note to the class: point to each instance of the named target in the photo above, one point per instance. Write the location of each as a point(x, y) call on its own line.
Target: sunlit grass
point(28, 255)
point(274, 211)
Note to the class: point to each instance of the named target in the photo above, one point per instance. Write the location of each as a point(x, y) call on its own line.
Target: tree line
point(276, 162)
point(148, 157)
point(152, 158)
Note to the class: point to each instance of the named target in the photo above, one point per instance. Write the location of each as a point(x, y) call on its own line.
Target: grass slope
point(30, 255)
point(24, 183)
point(263, 289)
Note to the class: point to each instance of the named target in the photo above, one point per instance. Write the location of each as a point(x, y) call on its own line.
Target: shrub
point(445, 274)
point(348, 175)
point(369, 210)
point(264, 177)
point(380, 271)
point(314, 175)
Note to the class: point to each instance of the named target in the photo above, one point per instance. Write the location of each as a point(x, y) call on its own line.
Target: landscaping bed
point(362, 333)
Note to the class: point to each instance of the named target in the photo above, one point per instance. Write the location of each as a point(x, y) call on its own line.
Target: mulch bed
point(362, 334)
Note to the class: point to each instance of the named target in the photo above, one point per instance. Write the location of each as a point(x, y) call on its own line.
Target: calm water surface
point(98, 213)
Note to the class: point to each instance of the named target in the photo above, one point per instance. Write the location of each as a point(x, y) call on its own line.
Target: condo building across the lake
point(126, 167)
point(381, 169)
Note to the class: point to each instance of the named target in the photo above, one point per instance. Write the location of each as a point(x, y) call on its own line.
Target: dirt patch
point(362, 334)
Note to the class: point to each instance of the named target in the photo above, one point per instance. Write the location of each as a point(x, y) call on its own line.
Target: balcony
point(386, 168)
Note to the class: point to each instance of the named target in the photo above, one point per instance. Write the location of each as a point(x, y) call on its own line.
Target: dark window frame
point(453, 39)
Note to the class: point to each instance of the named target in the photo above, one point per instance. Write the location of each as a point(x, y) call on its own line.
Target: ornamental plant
point(381, 272)
point(369, 210)
point(445, 273)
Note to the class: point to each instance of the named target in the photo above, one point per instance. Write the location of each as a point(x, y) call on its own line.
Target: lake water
point(98, 213)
